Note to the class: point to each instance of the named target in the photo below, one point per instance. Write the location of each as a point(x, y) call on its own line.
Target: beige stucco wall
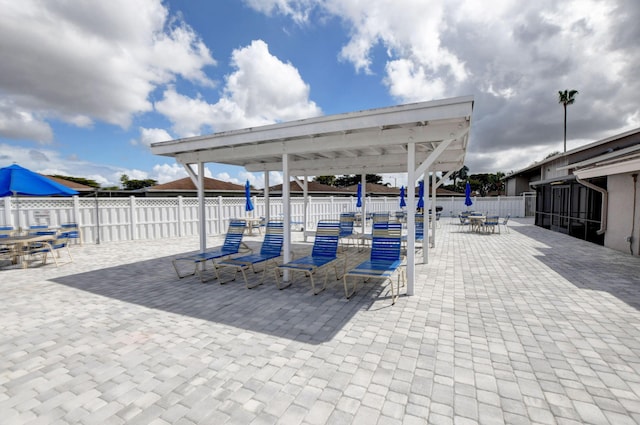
point(516, 185)
point(620, 211)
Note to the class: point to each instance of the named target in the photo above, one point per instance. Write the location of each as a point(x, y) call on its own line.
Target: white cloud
point(48, 161)
point(102, 61)
point(255, 179)
point(152, 135)
point(262, 90)
point(298, 9)
point(512, 56)
point(164, 173)
point(18, 123)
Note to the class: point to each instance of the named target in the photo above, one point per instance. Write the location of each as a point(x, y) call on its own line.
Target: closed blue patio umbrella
point(16, 180)
point(359, 196)
point(403, 203)
point(420, 194)
point(248, 206)
point(467, 195)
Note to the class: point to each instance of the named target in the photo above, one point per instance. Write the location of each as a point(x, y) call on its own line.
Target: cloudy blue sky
point(86, 86)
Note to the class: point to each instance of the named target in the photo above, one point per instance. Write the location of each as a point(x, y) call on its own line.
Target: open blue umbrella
point(467, 195)
point(16, 180)
point(403, 203)
point(248, 206)
point(359, 196)
point(420, 194)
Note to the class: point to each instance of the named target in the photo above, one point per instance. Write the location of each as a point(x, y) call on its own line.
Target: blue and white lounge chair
point(376, 217)
point(270, 250)
point(231, 246)
point(384, 261)
point(346, 227)
point(419, 231)
point(323, 254)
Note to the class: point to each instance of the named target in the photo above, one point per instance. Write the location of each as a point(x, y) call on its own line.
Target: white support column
point(305, 206)
point(201, 208)
point(267, 203)
point(425, 241)
point(286, 208)
point(411, 217)
point(433, 209)
point(363, 183)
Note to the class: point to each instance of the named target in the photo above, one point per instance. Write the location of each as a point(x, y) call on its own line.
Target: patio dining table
point(18, 244)
point(252, 222)
point(477, 222)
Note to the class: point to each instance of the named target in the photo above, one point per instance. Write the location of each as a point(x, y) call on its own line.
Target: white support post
point(286, 208)
point(411, 217)
point(425, 241)
point(267, 203)
point(363, 182)
point(305, 206)
point(220, 215)
point(433, 209)
point(201, 208)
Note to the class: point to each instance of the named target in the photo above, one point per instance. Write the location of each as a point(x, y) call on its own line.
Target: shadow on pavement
point(293, 313)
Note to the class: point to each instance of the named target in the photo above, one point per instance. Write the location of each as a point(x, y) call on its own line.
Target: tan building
point(590, 192)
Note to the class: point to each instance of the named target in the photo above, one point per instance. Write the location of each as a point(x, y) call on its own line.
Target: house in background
point(590, 192)
point(82, 189)
point(313, 189)
point(185, 187)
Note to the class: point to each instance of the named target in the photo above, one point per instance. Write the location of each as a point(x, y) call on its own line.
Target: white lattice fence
point(121, 219)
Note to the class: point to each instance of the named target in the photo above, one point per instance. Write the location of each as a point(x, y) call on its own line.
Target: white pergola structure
point(415, 138)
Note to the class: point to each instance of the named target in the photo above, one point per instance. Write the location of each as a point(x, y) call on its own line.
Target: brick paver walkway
point(526, 327)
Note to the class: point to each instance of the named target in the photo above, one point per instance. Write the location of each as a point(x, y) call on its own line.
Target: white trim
point(629, 166)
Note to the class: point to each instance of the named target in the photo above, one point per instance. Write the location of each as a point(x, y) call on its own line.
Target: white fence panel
point(121, 219)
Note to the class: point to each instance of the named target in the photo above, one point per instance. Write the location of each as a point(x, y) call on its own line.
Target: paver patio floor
point(524, 327)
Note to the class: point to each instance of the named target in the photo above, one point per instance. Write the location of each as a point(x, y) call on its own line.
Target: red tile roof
point(70, 184)
point(311, 186)
point(209, 184)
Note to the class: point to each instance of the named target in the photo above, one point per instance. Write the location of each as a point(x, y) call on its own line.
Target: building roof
point(71, 184)
point(375, 189)
point(536, 165)
point(312, 187)
point(617, 162)
point(382, 190)
point(186, 184)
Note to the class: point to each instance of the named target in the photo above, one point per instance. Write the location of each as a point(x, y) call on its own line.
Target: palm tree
point(566, 97)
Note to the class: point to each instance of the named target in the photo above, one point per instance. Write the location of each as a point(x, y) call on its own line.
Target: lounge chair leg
point(348, 294)
point(278, 276)
point(313, 286)
point(246, 281)
point(393, 295)
point(215, 274)
point(235, 272)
